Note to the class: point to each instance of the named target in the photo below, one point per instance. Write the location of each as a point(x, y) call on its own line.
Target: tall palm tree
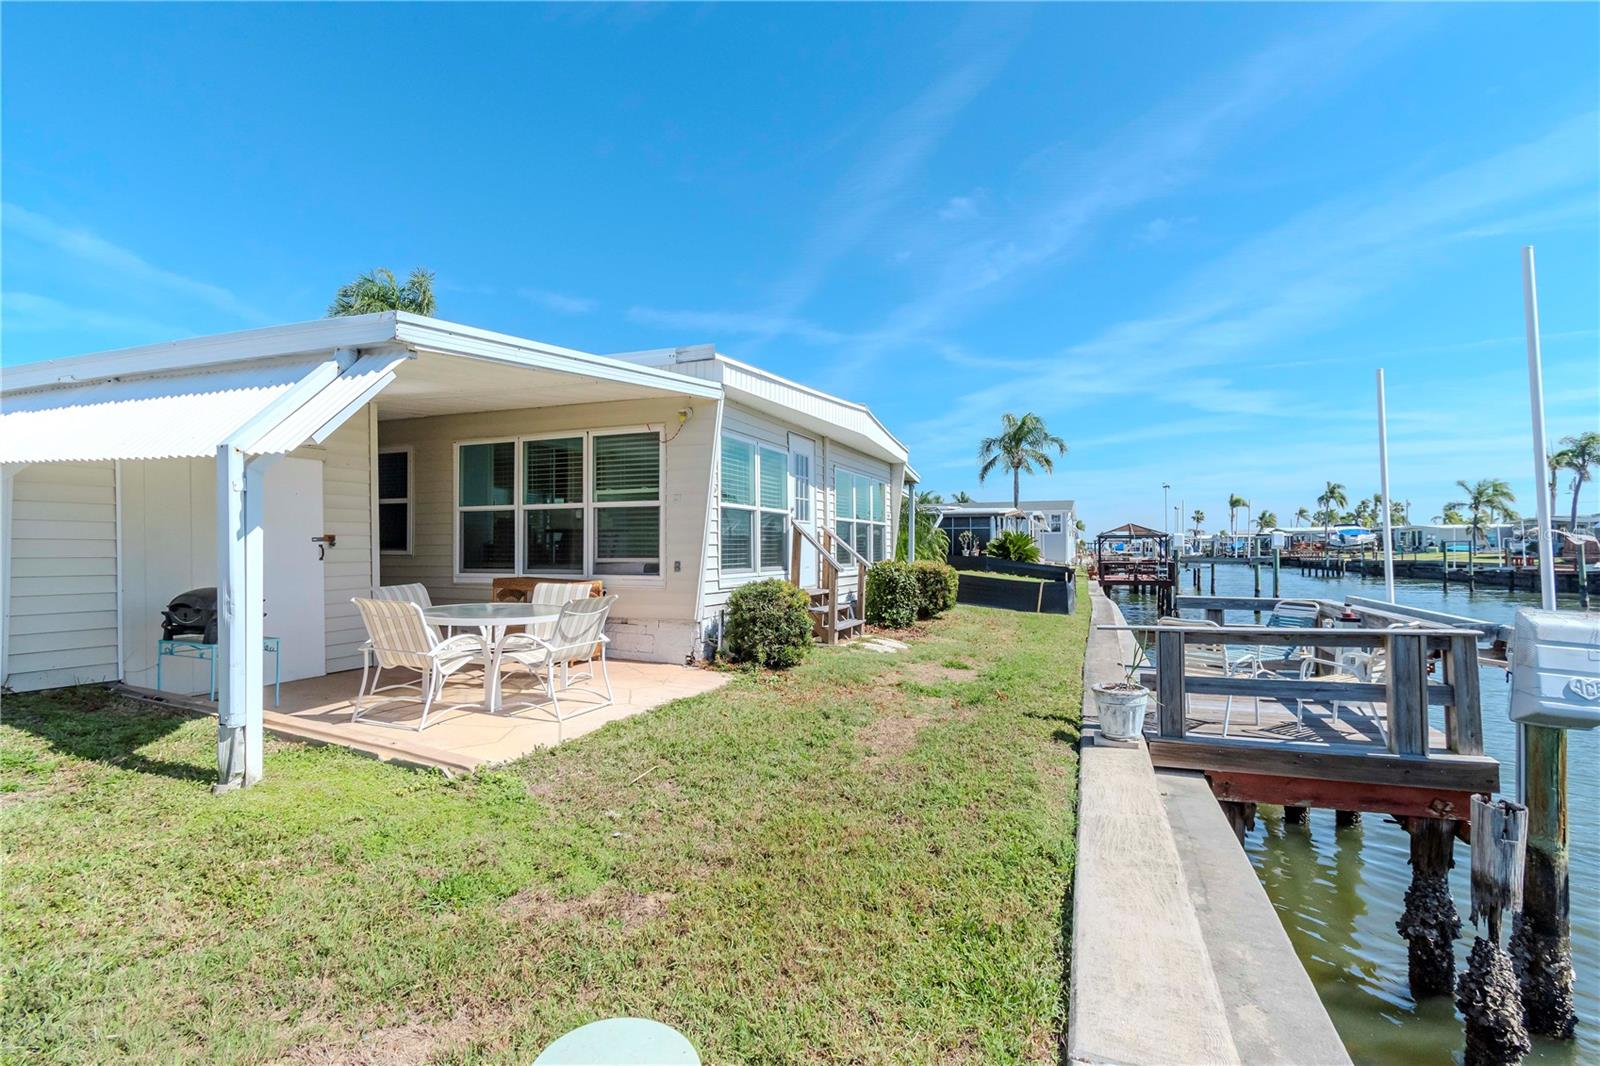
point(1199, 520)
point(961, 498)
point(1266, 520)
point(1302, 516)
point(1022, 445)
point(1332, 497)
point(1235, 502)
point(377, 290)
point(1486, 498)
point(1579, 454)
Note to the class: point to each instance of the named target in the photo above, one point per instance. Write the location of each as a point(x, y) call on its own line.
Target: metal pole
point(1164, 488)
point(1530, 311)
point(1383, 481)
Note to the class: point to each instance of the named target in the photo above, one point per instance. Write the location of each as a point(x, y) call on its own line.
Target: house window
point(570, 485)
point(755, 506)
point(802, 486)
point(1055, 523)
point(394, 501)
point(860, 517)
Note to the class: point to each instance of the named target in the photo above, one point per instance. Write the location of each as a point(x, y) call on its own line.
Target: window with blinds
point(754, 519)
point(575, 504)
point(860, 515)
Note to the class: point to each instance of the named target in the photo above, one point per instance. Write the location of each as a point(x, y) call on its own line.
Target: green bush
point(937, 584)
point(1015, 545)
point(768, 624)
point(892, 594)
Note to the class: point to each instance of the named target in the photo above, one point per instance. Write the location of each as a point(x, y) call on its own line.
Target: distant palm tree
point(1022, 445)
point(1235, 502)
point(1486, 498)
point(1302, 516)
point(1332, 496)
point(1266, 520)
point(377, 290)
point(1579, 454)
point(1451, 516)
point(961, 498)
point(1199, 519)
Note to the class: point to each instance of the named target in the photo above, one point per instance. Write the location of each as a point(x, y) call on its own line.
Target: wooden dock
point(1380, 756)
point(1139, 559)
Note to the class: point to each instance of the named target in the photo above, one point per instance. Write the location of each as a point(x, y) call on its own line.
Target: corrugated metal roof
point(171, 416)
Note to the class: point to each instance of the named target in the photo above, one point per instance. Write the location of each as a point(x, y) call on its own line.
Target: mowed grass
point(864, 859)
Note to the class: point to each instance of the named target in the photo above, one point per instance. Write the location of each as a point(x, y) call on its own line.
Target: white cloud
point(121, 263)
point(561, 303)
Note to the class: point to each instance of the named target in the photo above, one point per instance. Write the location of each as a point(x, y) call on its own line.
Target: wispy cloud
point(27, 312)
point(121, 263)
point(715, 324)
point(559, 302)
point(958, 209)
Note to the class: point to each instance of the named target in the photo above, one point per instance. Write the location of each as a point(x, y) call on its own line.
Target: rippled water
point(1340, 892)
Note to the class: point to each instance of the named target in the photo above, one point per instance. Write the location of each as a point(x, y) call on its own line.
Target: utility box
point(1555, 669)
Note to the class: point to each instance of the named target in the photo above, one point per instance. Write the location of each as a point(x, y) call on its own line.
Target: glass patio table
point(491, 620)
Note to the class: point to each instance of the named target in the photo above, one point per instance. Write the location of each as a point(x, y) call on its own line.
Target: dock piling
point(1241, 816)
point(1430, 922)
point(1541, 938)
point(1487, 994)
point(1294, 816)
point(1346, 819)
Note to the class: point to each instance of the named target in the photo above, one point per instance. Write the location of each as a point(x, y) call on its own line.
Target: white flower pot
point(1122, 710)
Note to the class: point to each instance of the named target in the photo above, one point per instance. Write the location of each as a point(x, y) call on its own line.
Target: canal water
point(1340, 892)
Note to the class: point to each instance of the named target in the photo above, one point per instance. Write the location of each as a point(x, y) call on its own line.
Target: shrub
point(769, 624)
point(1015, 545)
point(892, 594)
point(936, 586)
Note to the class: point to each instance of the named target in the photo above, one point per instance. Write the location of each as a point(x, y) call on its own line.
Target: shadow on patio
point(461, 736)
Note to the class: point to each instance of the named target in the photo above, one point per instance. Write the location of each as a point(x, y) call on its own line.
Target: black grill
point(191, 614)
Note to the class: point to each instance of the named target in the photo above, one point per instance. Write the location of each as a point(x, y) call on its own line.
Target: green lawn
point(864, 859)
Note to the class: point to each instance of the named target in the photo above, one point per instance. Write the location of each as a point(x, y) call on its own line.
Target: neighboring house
point(392, 448)
point(1052, 523)
point(1425, 538)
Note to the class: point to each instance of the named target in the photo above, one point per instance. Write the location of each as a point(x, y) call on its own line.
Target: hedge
point(769, 623)
point(892, 594)
point(937, 584)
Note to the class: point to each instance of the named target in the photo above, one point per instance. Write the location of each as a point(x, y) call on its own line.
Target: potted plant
point(1122, 706)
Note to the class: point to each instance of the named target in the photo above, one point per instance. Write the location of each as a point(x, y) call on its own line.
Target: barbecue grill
point(191, 615)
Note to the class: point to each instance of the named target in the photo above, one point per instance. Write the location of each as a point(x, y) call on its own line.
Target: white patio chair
point(552, 594)
point(578, 636)
point(398, 639)
point(416, 593)
point(1229, 660)
point(1367, 667)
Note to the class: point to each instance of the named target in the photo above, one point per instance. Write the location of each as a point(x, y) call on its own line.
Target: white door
point(802, 464)
point(292, 515)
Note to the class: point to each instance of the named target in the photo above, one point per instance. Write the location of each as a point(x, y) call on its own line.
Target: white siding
point(654, 617)
point(347, 513)
point(62, 628)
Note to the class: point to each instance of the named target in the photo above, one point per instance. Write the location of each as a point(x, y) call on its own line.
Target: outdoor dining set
point(546, 629)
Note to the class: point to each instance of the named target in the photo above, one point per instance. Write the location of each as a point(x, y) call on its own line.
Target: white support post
point(911, 521)
point(240, 630)
point(8, 476)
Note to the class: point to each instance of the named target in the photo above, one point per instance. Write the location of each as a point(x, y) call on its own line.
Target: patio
point(459, 739)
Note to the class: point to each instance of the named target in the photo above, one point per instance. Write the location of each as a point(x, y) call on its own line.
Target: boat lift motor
point(1555, 669)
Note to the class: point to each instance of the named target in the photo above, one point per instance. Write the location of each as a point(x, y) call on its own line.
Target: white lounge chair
point(398, 639)
point(578, 636)
point(1351, 665)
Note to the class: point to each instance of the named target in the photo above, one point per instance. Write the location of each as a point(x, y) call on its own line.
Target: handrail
point(861, 569)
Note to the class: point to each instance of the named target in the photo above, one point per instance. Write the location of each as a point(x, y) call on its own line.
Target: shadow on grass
point(93, 724)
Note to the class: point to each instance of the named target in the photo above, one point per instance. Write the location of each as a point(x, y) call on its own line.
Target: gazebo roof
point(1133, 529)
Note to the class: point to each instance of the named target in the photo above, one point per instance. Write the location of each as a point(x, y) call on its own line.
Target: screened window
point(394, 501)
point(574, 505)
point(755, 506)
point(860, 515)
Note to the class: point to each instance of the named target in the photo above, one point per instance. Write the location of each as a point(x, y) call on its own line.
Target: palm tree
point(1235, 502)
point(1022, 444)
point(1452, 516)
point(1581, 452)
point(932, 542)
point(1302, 516)
point(1199, 519)
point(1486, 498)
point(377, 290)
point(1332, 496)
point(961, 498)
point(1266, 520)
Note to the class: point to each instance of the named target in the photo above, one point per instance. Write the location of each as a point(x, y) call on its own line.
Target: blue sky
point(1184, 235)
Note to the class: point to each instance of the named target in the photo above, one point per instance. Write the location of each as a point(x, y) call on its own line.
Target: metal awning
point(184, 414)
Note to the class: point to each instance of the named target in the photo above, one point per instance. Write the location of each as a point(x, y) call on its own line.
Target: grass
point(864, 859)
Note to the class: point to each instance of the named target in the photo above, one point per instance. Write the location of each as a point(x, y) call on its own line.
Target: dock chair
point(1371, 667)
point(1228, 660)
point(398, 639)
point(578, 636)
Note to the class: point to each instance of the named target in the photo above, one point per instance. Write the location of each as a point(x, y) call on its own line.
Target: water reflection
point(1339, 892)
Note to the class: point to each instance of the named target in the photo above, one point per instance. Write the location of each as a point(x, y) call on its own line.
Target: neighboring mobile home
point(1051, 523)
point(329, 457)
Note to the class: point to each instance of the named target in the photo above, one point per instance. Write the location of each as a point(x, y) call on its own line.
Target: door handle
point(323, 543)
